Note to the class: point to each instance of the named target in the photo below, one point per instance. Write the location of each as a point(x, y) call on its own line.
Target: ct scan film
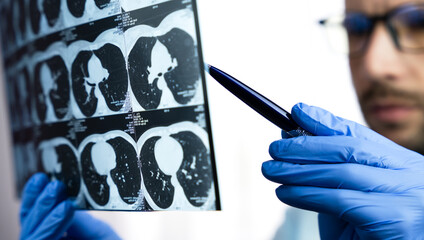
point(109, 97)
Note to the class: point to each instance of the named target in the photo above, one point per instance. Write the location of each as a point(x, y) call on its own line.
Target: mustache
point(383, 90)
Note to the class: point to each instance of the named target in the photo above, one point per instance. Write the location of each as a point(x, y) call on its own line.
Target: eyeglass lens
point(350, 33)
point(409, 26)
point(358, 29)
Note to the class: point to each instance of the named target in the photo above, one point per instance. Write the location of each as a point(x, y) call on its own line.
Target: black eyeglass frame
point(386, 19)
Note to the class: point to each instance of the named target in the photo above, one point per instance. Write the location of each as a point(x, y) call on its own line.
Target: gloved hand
point(46, 214)
point(362, 184)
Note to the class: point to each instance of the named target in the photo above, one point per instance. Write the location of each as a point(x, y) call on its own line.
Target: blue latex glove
point(362, 184)
point(46, 214)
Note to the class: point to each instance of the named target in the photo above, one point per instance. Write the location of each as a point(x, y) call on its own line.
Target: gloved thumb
point(323, 123)
point(85, 227)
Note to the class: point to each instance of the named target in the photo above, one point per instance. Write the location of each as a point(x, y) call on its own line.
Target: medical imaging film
point(162, 57)
point(82, 11)
point(109, 163)
point(109, 97)
point(56, 155)
point(175, 157)
point(98, 70)
point(51, 85)
point(131, 5)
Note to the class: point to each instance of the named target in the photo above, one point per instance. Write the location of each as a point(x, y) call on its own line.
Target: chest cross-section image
point(110, 97)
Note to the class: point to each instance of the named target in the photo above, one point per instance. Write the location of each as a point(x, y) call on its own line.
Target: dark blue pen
point(259, 103)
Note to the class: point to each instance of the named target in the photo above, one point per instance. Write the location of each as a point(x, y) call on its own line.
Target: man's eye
point(357, 26)
point(414, 19)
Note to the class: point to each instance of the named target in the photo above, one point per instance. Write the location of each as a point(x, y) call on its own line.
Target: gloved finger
point(340, 176)
point(55, 224)
point(362, 209)
point(331, 227)
point(323, 123)
point(85, 227)
point(342, 149)
point(52, 194)
point(32, 190)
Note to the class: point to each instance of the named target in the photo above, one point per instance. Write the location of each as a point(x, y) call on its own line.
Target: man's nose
point(382, 59)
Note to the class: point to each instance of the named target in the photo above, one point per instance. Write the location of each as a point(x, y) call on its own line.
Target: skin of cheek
point(411, 77)
point(411, 132)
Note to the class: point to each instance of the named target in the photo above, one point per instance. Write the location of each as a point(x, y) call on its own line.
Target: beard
point(393, 130)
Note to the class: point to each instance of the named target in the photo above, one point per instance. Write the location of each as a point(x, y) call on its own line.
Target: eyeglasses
point(350, 33)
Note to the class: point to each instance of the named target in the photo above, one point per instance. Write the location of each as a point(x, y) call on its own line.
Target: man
point(362, 184)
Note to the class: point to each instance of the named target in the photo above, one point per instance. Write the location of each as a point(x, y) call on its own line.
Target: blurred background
point(279, 49)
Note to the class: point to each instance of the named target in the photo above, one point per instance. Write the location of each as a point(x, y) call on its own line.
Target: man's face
point(389, 83)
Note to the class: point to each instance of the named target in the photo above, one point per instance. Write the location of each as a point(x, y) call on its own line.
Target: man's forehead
point(376, 6)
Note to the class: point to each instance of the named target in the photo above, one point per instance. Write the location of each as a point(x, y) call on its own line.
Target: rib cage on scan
point(108, 97)
point(13, 101)
point(20, 95)
point(45, 16)
point(109, 166)
point(163, 64)
point(8, 31)
point(31, 19)
point(104, 173)
point(194, 174)
point(24, 157)
point(82, 11)
point(13, 23)
point(24, 88)
point(22, 91)
point(99, 76)
point(176, 167)
point(51, 91)
point(59, 159)
point(19, 21)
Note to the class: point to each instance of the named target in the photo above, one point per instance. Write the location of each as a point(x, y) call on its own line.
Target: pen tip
point(207, 67)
